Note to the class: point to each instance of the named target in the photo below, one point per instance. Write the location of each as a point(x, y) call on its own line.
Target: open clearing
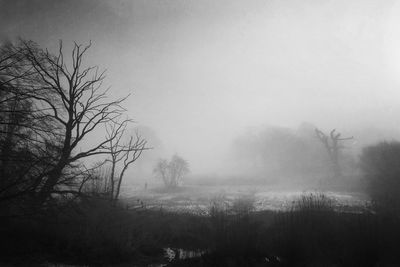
point(197, 198)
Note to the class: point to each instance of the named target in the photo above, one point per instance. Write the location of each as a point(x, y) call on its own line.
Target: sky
point(200, 72)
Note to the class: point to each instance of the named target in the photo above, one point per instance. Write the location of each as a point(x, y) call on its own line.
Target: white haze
point(202, 72)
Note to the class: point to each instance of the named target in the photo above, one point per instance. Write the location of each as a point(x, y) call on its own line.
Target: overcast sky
point(201, 71)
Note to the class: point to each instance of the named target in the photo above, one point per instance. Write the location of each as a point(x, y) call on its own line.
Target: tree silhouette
point(172, 172)
point(122, 153)
point(63, 102)
point(332, 144)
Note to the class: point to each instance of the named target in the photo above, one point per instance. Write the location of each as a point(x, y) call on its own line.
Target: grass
point(314, 232)
point(96, 232)
point(318, 232)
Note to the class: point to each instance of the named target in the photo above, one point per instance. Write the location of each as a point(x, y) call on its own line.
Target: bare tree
point(122, 153)
point(172, 172)
point(162, 169)
point(332, 144)
point(74, 99)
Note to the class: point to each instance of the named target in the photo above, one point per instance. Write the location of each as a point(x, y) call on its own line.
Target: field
point(196, 199)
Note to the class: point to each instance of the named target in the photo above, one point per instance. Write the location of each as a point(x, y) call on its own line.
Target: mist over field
point(221, 115)
point(201, 73)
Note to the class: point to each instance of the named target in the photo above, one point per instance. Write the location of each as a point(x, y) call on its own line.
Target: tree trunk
point(52, 179)
point(55, 174)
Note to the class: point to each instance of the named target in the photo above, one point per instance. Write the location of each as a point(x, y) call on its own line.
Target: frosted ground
point(197, 199)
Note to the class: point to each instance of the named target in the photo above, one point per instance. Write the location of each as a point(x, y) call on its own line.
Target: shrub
point(381, 167)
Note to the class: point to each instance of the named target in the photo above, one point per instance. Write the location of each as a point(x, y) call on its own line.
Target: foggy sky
point(200, 72)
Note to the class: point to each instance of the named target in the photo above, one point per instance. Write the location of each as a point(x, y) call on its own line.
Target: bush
point(381, 167)
point(315, 232)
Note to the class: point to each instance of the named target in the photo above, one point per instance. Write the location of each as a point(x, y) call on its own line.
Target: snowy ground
point(197, 199)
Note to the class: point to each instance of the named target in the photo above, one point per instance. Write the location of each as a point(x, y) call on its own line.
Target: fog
point(225, 133)
point(202, 73)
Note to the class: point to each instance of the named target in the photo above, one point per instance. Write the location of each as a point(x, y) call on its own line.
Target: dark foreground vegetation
point(96, 233)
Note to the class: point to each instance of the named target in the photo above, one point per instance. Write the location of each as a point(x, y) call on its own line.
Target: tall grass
point(234, 228)
point(98, 232)
point(91, 232)
point(317, 232)
point(314, 232)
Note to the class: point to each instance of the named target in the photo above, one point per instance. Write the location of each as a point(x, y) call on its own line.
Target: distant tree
point(381, 167)
point(333, 145)
point(279, 151)
point(172, 172)
point(273, 149)
point(144, 167)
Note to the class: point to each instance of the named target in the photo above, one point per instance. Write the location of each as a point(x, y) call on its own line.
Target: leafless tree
point(122, 153)
point(162, 169)
point(74, 99)
point(172, 172)
point(51, 105)
point(332, 144)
